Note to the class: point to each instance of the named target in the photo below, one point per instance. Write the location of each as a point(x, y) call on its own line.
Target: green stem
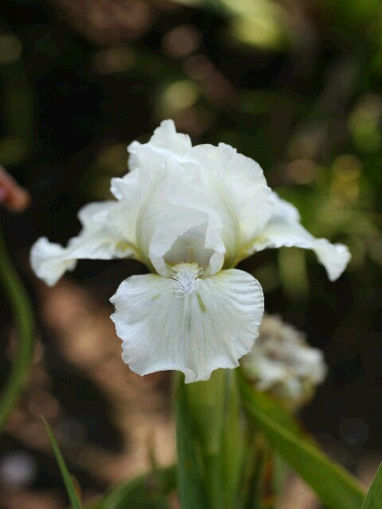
point(234, 443)
point(206, 406)
point(210, 442)
point(23, 317)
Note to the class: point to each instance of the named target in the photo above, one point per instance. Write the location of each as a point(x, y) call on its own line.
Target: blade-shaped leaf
point(336, 488)
point(147, 491)
point(67, 478)
point(210, 441)
point(373, 498)
point(23, 317)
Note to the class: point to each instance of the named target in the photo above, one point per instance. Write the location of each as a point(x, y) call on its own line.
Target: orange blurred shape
point(14, 197)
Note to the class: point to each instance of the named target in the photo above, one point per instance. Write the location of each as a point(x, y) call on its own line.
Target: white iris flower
point(190, 214)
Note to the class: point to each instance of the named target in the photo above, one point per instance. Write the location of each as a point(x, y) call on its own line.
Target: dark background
point(294, 84)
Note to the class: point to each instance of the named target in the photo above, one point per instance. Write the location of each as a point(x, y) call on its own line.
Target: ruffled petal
point(166, 137)
point(193, 237)
point(102, 237)
point(238, 191)
point(187, 323)
point(137, 192)
point(218, 182)
point(49, 261)
point(171, 217)
point(164, 143)
point(190, 229)
point(284, 229)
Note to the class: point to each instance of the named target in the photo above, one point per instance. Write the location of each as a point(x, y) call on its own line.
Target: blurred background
point(294, 84)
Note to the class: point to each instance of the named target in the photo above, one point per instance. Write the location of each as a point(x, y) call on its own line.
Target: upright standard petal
point(187, 322)
point(102, 237)
point(164, 143)
point(238, 191)
point(166, 137)
point(284, 229)
point(172, 219)
point(203, 177)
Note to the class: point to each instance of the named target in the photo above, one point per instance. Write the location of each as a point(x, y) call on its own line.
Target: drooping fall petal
point(190, 324)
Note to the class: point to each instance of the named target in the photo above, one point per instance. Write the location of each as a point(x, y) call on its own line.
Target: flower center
point(186, 277)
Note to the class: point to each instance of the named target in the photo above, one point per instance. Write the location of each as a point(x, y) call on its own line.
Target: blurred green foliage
point(294, 84)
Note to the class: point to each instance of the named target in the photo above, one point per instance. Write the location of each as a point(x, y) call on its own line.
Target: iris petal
point(194, 327)
point(101, 238)
point(284, 229)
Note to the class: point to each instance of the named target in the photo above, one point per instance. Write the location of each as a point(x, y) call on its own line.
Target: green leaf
point(335, 487)
point(210, 441)
point(373, 498)
point(67, 478)
point(147, 491)
point(272, 407)
point(23, 317)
